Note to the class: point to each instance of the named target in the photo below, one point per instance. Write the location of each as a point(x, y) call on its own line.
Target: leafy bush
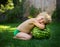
point(38, 33)
point(33, 11)
point(13, 15)
point(56, 15)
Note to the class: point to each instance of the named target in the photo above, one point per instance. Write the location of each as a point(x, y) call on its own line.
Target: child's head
point(44, 16)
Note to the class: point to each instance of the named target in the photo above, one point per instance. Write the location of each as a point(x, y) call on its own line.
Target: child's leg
point(23, 36)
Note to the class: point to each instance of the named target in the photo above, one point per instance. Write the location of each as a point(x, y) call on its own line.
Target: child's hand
point(40, 25)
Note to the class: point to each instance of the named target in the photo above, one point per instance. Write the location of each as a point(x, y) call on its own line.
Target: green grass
point(6, 37)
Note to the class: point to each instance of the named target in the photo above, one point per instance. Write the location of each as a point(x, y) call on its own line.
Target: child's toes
point(14, 37)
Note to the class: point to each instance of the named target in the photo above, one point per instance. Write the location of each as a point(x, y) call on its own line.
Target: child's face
point(44, 18)
point(41, 20)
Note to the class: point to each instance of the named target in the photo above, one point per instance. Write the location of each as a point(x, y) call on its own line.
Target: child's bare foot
point(15, 37)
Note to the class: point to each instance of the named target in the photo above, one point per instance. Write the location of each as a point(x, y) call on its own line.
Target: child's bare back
point(26, 26)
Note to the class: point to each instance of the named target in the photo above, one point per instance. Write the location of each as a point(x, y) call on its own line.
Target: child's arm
point(40, 25)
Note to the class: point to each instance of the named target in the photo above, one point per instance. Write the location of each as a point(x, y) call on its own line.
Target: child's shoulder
point(33, 19)
point(30, 20)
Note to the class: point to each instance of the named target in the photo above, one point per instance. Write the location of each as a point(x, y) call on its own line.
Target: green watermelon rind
point(38, 33)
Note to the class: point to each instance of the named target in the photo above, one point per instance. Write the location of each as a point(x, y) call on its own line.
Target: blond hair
point(47, 17)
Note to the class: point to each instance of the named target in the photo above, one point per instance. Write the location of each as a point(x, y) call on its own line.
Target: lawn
point(6, 37)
